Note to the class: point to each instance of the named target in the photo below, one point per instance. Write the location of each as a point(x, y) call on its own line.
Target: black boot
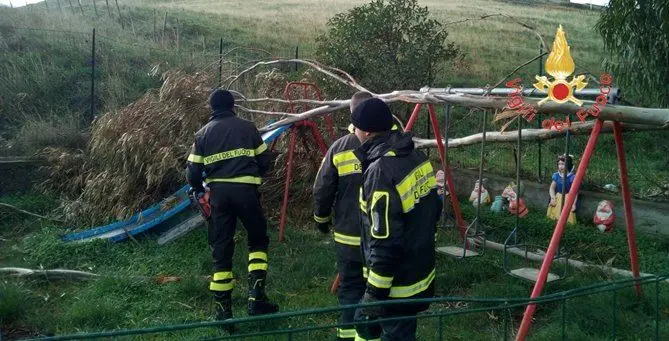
point(223, 302)
point(258, 302)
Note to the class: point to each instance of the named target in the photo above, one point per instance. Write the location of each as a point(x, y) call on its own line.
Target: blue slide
point(152, 216)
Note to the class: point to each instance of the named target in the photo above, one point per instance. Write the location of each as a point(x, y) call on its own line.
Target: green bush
point(386, 45)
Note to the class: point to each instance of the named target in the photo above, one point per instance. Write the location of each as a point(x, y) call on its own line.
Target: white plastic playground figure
point(604, 216)
point(441, 183)
point(516, 206)
point(485, 197)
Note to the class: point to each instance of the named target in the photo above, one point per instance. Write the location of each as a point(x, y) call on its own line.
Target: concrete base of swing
point(531, 274)
point(456, 251)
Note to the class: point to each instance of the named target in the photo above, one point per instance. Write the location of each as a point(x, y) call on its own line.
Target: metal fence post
point(564, 317)
point(440, 328)
point(614, 303)
point(541, 72)
point(297, 55)
point(93, 77)
point(220, 62)
point(657, 309)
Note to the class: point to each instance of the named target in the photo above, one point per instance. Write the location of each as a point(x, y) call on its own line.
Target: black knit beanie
point(373, 116)
point(221, 100)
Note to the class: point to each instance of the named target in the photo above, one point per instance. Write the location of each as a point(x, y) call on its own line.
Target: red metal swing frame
point(564, 215)
point(308, 89)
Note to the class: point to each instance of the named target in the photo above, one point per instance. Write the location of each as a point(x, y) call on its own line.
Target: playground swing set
point(472, 236)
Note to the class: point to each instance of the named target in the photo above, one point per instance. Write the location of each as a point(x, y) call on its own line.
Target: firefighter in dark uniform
point(338, 183)
point(399, 206)
point(233, 157)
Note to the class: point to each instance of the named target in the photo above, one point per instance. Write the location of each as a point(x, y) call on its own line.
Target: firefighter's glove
point(365, 318)
point(196, 192)
point(323, 227)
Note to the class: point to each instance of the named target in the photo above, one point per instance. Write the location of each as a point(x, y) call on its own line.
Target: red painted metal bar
point(559, 230)
point(627, 202)
point(316, 135)
point(447, 171)
point(286, 189)
point(414, 116)
point(329, 125)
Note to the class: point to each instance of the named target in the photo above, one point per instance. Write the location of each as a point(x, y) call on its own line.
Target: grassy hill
point(492, 47)
point(46, 48)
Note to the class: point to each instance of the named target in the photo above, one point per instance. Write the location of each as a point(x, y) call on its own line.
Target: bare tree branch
point(514, 71)
point(29, 213)
point(350, 81)
point(48, 274)
point(530, 134)
point(487, 16)
point(274, 113)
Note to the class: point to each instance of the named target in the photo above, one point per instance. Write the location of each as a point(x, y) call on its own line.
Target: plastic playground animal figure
point(516, 205)
point(565, 163)
point(604, 216)
point(497, 205)
point(479, 190)
point(441, 184)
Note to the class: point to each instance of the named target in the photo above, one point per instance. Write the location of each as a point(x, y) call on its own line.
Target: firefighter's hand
point(369, 329)
point(373, 311)
point(323, 227)
point(196, 192)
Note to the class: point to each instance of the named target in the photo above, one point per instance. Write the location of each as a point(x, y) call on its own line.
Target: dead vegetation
point(136, 156)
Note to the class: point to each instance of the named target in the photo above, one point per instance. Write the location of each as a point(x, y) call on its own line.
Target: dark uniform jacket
point(229, 150)
point(400, 209)
point(337, 184)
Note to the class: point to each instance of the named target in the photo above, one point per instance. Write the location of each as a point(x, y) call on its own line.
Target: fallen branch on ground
point(55, 274)
point(29, 213)
point(65, 274)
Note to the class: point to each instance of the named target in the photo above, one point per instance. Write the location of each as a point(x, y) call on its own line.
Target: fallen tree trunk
point(610, 112)
point(55, 274)
point(531, 134)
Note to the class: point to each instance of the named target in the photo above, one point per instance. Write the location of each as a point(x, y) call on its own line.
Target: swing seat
point(531, 274)
point(456, 251)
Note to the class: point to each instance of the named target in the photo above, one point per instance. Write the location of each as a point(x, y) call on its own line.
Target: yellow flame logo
point(560, 65)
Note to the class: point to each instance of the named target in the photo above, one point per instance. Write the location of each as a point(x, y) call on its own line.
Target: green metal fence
point(439, 317)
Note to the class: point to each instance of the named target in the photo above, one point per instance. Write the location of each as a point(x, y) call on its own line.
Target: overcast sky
point(18, 3)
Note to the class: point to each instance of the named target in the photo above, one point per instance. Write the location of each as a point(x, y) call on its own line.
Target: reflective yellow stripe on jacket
point(253, 180)
point(230, 154)
point(321, 220)
point(346, 239)
point(402, 291)
point(362, 202)
point(416, 185)
point(195, 158)
point(413, 289)
point(346, 163)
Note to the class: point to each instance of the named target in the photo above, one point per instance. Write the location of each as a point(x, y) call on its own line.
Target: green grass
point(301, 270)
